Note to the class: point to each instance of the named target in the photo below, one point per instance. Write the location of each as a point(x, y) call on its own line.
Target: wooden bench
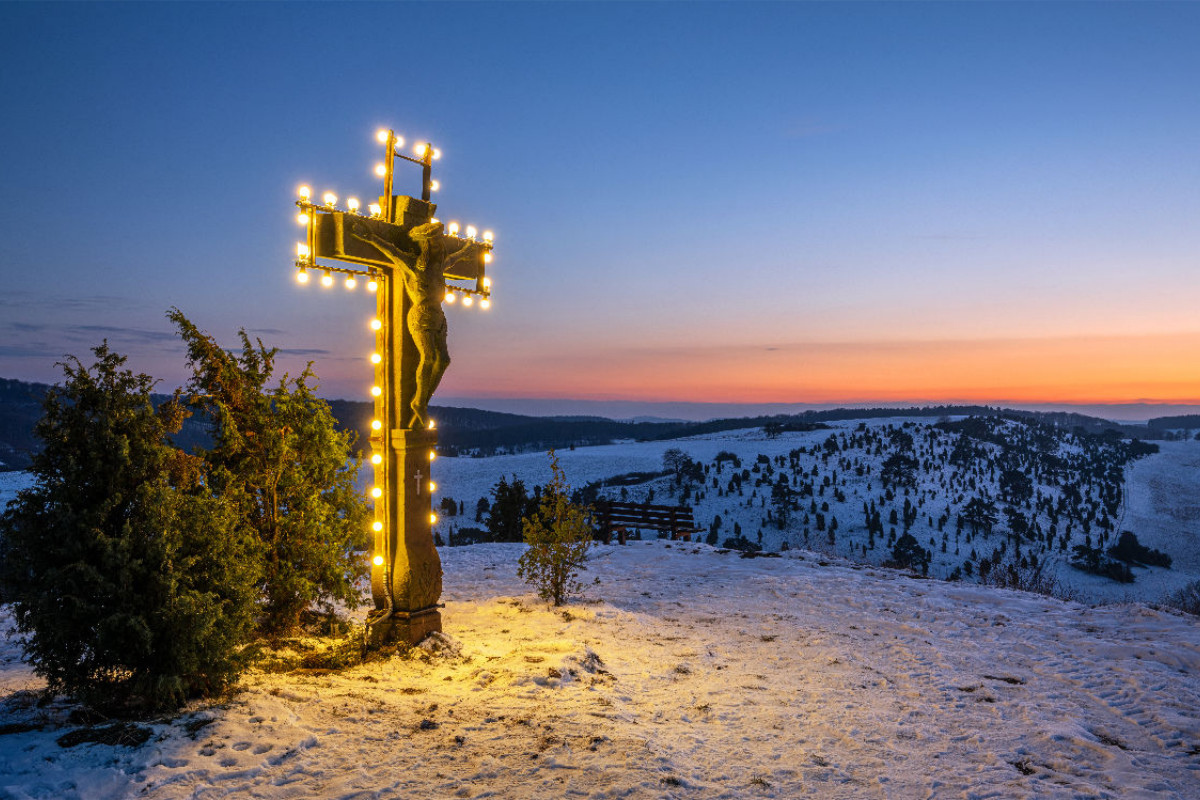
point(612, 516)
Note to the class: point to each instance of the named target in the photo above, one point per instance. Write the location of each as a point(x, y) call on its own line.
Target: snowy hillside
point(684, 673)
point(1075, 495)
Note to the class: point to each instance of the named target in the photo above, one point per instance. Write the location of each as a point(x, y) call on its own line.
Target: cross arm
point(464, 258)
point(361, 240)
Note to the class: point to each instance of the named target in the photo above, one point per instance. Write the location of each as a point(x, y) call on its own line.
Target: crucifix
point(409, 260)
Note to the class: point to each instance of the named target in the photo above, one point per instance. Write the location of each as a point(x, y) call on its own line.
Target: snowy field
point(684, 673)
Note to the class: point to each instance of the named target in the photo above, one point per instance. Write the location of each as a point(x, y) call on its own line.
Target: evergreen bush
point(279, 459)
point(558, 535)
point(131, 584)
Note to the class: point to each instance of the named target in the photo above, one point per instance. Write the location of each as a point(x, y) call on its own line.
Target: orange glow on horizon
point(1085, 370)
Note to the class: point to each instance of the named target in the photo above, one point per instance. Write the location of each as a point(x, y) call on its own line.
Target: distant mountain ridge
point(471, 431)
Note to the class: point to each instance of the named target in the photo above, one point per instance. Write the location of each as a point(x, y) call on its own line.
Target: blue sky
point(781, 202)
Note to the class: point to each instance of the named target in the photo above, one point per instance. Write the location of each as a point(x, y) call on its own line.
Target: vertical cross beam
point(407, 584)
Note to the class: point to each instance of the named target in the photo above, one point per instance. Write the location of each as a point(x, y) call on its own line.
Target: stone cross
point(408, 256)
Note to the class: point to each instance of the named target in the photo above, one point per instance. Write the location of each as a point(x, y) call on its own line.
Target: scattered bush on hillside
point(131, 583)
point(900, 469)
point(740, 542)
point(1133, 552)
point(908, 554)
point(1023, 576)
point(1186, 599)
point(510, 505)
point(1094, 561)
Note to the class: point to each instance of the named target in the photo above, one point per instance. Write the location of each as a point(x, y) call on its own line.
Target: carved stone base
point(402, 628)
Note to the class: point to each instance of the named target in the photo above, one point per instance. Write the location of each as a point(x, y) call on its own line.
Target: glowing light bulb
point(302, 218)
point(301, 276)
point(487, 282)
point(432, 455)
point(432, 518)
point(485, 304)
point(376, 391)
point(304, 192)
point(376, 358)
point(351, 282)
point(377, 459)
point(302, 250)
point(432, 424)
point(352, 204)
point(436, 154)
point(378, 561)
point(450, 297)
point(399, 141)
point(376, 425)
point(330, 198)
point(434, 186)
point(487, 258)
point(376, 324)
point(488, 236)
point(375, 209)
point(377, 493)
point(468, 300)
point(471, 231)
point(432, 487)
point(453, 229)
point(381, 135)
point(377, 526)
point(327, 279)
point(372, 285)
point(420, 149)
point(380, 170)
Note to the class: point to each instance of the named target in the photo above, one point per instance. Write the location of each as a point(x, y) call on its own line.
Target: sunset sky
point(707, 202)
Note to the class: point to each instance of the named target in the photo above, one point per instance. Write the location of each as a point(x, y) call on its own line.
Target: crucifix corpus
point(408, 259)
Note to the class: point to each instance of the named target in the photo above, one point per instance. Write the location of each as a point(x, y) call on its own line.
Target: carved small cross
point(419, 478)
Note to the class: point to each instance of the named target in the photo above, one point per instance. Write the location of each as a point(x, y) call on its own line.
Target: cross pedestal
point(406, 587)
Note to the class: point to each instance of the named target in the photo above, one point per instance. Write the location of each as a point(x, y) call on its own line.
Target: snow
point(1162, 500)
point(683, 672)
point(1164, 508)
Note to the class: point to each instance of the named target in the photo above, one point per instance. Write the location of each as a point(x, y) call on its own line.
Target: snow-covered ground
point(683, 673)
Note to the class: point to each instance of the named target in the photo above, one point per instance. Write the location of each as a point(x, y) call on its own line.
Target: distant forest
point(470, 432)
